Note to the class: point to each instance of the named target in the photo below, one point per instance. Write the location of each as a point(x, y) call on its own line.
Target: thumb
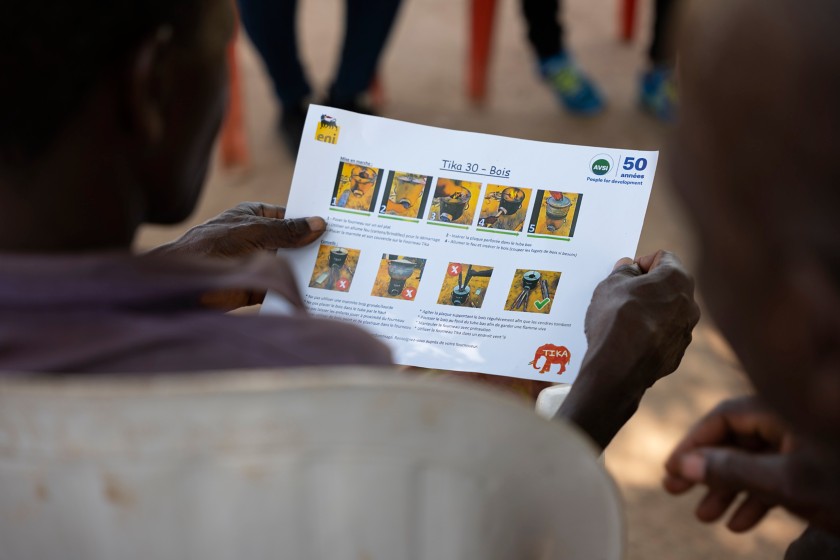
point(626, 267)
point(734, 470)
point(287, 234)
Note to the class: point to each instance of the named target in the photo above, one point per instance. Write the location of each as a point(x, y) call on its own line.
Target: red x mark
point(454, 269)
point(342, 285)
point(409, 293)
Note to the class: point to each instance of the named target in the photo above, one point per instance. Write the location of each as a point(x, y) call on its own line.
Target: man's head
point(757, 148)
point(133, 90)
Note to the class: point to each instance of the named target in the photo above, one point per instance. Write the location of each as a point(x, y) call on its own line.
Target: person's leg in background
point(573, 88)
point(545, 32)
point(368, 24)
point(658, 89)
point(271, 25)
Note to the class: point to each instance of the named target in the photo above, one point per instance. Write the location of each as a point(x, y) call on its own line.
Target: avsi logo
point(327, 130)
point(601, 164)
point(553, 355)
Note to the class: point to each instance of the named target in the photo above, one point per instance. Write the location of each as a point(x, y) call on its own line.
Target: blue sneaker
point(659, 93)
point(573, 88)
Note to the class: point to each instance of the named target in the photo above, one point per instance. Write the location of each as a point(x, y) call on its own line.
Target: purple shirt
point(115, 313)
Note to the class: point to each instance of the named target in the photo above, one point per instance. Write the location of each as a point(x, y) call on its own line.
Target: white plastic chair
point(550, 399)
point(295, 465)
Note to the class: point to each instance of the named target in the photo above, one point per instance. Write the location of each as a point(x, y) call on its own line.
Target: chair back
point(302, 464)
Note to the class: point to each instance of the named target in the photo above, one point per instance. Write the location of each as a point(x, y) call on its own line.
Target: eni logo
point(327, 130)
point(553, 355)
point(601, 164)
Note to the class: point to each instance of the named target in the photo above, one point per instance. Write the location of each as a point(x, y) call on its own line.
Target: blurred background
point(423, 76)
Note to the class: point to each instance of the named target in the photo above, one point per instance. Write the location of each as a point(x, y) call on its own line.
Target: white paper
point(374, 180)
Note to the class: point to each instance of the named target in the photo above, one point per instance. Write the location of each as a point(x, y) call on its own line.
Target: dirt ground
point(423, 75)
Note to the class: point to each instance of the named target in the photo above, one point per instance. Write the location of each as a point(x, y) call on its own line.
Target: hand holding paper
point(642, 316)
point(638, 327)
point(247, 228)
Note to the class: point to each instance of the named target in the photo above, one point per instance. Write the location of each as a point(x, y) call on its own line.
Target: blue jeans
point(271, 26)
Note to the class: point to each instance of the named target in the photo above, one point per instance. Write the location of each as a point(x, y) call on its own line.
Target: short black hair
point(52, 52)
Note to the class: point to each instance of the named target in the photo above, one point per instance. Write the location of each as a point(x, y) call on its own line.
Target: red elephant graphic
point(553, 355)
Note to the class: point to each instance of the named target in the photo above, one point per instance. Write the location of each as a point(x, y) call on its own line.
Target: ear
point(146, 85)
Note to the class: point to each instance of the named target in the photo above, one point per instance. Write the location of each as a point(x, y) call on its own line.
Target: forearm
point(600, 401)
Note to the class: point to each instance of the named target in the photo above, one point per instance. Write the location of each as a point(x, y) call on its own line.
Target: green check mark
point(540, 304)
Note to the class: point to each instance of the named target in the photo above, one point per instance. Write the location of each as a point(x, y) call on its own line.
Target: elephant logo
point(553, 355)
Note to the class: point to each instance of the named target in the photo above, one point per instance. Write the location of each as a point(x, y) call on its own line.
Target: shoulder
point(305, 340)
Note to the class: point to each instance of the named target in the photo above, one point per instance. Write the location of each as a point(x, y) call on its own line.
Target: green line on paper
point(447, 225)
point(498, 231)
point(396, 218)
point(348, 211)
point(550, 237)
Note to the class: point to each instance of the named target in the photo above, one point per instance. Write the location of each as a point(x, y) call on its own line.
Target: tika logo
point(553, 355)
point(327, 130)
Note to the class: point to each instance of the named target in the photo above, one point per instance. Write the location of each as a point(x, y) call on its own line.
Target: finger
point(667, 266)
point(659, 258)
point(287, 234)
point(272, 211)
point(681, 344)
point(646, 261)
point(751, 511)
point(626, 261)
point(711, 430)
point(734, 420)
point(676, 485)
point(762, 475)
point(714, 504)
point(626, 267)
point(684, 472)
point(262, 210)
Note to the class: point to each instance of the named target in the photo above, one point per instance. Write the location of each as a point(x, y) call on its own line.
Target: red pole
point(628, 20)
point(481, 35)
point(234, 144)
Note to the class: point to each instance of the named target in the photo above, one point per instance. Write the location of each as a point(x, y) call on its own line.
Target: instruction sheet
point(462, 251)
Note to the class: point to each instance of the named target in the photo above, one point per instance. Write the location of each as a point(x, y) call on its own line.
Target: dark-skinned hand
point(741, 448)
point(246, 229)
point(643, 314)
point(638, 326)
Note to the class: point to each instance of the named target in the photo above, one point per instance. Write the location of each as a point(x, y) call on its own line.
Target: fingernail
point(316, 223)
point(693, 467)
point(622, 262)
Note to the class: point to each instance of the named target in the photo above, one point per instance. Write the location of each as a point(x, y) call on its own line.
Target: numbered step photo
point(356, 187)
point(334, 268)
point(532, 291)
point(398, 277)
point(504, 208)
point(454, 202)
point(405, 195)
point(555, 214)
point(465, 285)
